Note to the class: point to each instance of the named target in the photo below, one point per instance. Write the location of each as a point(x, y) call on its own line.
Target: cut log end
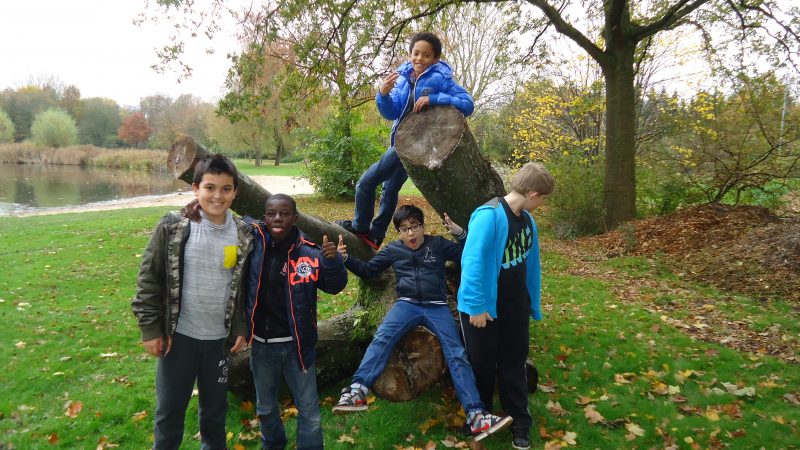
point(181, 158)
point(416, 363)
point(443, 129)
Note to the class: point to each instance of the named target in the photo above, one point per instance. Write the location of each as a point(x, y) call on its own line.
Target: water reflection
point(28, 186)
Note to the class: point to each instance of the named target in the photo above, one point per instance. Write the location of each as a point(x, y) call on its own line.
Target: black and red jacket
point(307, 271)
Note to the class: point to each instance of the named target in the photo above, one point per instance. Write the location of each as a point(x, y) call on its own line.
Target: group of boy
point(243, 282)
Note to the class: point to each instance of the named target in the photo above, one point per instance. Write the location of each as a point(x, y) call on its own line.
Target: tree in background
point(186, 115)
point(741, 144)
point(135, 131)
point(98, 122)
point(480, 44)
point(6, 128)
point(70, 100)
point(24, 104)
point(258, 100)
point(54, 128)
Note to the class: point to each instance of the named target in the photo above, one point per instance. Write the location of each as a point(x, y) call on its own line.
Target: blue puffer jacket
point(308, 271)
point(436, 82)
point(419, 274)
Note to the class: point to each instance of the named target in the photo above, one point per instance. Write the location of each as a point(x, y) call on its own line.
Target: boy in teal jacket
point(500, 290)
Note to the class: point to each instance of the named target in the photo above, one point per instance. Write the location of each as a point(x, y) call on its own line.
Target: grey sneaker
point(352, 400)
point(483, 424)
point(520, 441)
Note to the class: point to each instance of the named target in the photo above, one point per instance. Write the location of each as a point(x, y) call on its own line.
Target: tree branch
point(670, 17)
point(568, 30)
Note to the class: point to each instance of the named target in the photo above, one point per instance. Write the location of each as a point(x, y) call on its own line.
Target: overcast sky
point(94, 45)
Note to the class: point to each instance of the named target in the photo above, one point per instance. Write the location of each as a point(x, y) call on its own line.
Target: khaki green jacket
point(157, 302)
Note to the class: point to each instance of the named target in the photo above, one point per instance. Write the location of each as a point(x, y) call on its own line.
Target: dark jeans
point(189, 360)
point(401, 319)
point(389, 171)
point(499, 351)
point(268, 362)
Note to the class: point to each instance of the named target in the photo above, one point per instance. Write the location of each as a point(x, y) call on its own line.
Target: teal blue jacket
point(482, 257)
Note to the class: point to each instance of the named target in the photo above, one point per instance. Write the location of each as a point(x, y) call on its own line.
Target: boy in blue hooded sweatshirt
point(499, 292)
point(423, 80)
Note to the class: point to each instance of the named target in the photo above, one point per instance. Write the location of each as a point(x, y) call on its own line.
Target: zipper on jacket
point(258, 285)
point(291, 309)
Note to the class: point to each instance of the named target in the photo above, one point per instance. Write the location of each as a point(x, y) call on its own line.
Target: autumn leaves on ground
point(679, 332)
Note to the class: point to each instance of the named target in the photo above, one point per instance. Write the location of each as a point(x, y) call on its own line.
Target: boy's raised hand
point(452, 227)
point(342, 247)
point(192, 211)
point(328, 248)
point(388, 83)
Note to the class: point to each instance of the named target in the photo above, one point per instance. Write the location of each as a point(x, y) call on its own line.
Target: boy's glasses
point(411, 229)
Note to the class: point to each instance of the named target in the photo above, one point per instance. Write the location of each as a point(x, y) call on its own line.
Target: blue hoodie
point(436, 82)
point(482, 257)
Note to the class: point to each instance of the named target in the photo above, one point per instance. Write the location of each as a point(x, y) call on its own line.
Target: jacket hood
point(407, 68)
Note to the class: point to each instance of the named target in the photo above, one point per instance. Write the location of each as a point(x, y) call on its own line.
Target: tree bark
point(619, 191)
point(442, 158)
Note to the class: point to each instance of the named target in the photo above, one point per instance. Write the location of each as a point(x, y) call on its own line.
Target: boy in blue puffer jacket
point(418, 261)
point(423, 80)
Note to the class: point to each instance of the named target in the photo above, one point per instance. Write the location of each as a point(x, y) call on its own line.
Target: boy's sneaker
point(361, 235)
point(520, 441)
point(353, 399)
point(483, 424)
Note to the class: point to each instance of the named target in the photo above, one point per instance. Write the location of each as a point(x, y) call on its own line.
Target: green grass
point(68, 335)
point(268, 167)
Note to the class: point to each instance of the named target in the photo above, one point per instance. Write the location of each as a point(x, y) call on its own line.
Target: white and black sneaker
point(483, 424)
point(353, 399)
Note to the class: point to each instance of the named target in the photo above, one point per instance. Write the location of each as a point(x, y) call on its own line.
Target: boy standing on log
point(423, 80)
point(499, 291)
point(193, 270)
point(418, 261)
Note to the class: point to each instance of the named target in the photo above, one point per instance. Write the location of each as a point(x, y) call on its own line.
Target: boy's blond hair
point(533, 177)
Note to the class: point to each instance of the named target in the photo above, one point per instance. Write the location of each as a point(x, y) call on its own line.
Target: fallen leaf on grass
point(556, 409)
point(633, 430)
point(72, 409)
point(53, 438)
point(624, 378)
point(430, 445)
point(108, 355)
point(792, 398)
point(712, 414)
point(139, 415)
point(20, 344)
point(739, 391)
point(247, 406)
point(345, 439)
point(289, 412)
point(238, 447)
point(427, 425)
point(103, 443)
point(592, 415)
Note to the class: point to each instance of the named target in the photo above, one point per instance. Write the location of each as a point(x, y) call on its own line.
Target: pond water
point(24, 187)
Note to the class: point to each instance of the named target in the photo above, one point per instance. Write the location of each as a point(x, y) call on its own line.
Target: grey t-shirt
point(208, 261)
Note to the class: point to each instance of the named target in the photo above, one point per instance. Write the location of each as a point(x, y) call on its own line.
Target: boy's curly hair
point(428, 37)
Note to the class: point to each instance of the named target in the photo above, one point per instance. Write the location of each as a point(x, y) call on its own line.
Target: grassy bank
point(613, 373)
point(85, 155)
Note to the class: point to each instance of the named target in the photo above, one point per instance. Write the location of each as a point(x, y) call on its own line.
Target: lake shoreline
point(273, 184)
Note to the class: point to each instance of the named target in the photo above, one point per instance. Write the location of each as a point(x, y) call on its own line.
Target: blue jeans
point(403, 317)
point(268, 362)
point(389, 171)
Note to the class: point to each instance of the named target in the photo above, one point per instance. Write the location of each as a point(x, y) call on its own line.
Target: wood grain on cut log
point(442, 159)
point(416, 363)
